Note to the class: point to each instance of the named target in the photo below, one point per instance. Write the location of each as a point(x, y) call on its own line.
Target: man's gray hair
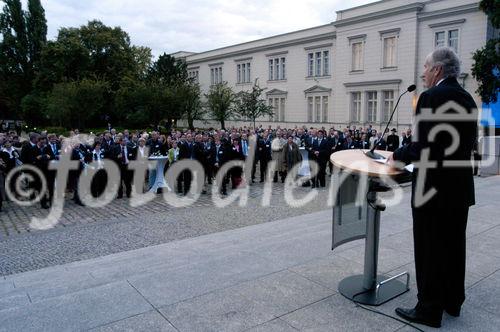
point(447, 59)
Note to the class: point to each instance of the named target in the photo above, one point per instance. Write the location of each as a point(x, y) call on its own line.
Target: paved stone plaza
point(254, 269)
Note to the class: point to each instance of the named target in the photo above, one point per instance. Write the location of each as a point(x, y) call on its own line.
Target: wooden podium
point(358, 217)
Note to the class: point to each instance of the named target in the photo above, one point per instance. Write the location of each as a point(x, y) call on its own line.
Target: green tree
point(486, 68)
point(74, 104)
point(22, 37)
point(36, 28)
point(250, 105)
point(168, 70)
point(189, 96)
point(220, 102)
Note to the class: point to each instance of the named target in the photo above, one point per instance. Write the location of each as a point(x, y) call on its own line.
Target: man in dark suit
point(320, 150)
point(122, 155)
point(393, 140)
point(219, 157)
point(439, 224)
point(188, 150)
point(264, 153)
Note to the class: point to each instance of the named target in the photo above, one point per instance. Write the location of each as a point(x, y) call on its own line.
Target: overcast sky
point(194, 25)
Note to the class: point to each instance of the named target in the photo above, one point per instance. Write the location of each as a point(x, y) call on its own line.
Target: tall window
point(324, 108)
point(390, 52)
point(278, 105)
point(317, 109)
point(310, 109)
point(357, 56)
point(243, 72)
point(318, 63)
point(453, 39)
point(194, 75)
point(355, 106)
point(326, 63)
point(215, 75)
point(447, 38)
point(310, 64)
point(277, 69)
point(371, 106)
point(388, 104)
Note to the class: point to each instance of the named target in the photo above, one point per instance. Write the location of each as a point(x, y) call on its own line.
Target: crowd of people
point(212, 148)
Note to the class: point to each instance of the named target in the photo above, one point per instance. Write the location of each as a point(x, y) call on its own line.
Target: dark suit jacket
point(392, 142)
point(454, 185)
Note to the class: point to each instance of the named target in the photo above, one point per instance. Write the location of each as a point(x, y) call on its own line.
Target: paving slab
point(217, 311)
point(151, 321)
point(77, 311)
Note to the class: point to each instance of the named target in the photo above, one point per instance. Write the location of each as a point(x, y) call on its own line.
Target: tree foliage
point(87, 75)
point(220, 102)
point(74, 104)
point(250, 105)
point(23, 34)
point(486, 68)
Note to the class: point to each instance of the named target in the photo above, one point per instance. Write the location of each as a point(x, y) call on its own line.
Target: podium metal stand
point(353, 221)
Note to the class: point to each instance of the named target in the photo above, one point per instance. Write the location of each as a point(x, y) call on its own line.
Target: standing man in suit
point(320, 150)
point(122, 155)
point(439, 223)
point(188, 150)
point(264, 153)
point(393, 141)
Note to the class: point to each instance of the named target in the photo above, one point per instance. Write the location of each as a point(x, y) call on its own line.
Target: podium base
point(352, 288)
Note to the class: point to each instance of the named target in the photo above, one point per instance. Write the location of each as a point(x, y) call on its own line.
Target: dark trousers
point(321, 173)
point(263, 168)
point(99, 183)
point(186, 178)
point(439, 240)
point(125, 180)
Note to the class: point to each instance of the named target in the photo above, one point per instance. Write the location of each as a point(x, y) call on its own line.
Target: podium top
point(356, 162)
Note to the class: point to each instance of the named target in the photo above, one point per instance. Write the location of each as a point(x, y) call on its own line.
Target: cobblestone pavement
point(86, 233)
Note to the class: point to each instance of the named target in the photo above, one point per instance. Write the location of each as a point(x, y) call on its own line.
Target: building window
point(324, 109)
point(447, 38)
point(243, 73)
point(389, 52)
point(326, 63)
point(317, 109)
point(277, 69)
point(215, 75)
point(357, 56)
point(371, 106)
point(318, 63)
point(453, 39)
point(388, 104)
point(355, 106)
point(310, 109)
point(310, 64)
point(278, 105)
point(194, 75)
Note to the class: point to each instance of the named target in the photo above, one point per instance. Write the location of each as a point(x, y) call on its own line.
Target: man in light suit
point(439, 224)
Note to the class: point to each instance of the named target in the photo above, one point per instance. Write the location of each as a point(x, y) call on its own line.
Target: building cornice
point(275, 46)
point(318, 46)
point(276, 92)
point(317, 89)
point(413, 7)
point(458, 10)
point(367, 83)
point(442, 24)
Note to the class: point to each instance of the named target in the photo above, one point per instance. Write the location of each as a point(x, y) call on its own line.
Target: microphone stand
point(372, 154)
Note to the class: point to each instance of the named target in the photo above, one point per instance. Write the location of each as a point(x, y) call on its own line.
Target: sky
point(194, 25)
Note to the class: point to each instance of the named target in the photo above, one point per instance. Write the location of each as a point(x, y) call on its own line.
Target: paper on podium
point(408, 167)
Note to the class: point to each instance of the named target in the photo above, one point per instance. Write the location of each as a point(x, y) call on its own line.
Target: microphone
point(372, 154)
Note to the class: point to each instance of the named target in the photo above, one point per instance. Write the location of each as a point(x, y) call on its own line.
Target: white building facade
point(351, 71)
